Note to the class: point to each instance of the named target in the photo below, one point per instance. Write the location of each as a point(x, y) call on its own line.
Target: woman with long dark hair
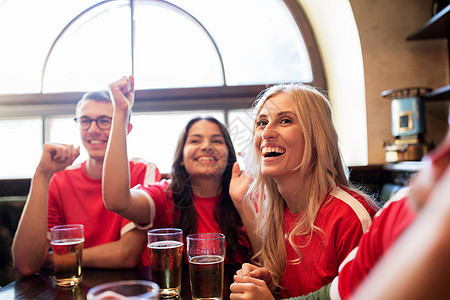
point(196, 199)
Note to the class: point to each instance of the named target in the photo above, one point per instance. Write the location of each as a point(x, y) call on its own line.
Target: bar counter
point(40, 286)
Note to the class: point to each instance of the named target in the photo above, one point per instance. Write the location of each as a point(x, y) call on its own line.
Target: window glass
point(256, 41)
point(27, 31)
point(93, 52)
point(172, 50)
point(240, 126)
point(154, 136)
point(21, 147)
point(64, 130)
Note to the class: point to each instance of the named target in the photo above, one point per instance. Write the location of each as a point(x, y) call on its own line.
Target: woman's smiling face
point(278, 137)
point(205, 152)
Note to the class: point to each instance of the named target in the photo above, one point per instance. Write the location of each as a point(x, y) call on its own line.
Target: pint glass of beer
point(165, 247)
point(67, 245)
point(206, 254)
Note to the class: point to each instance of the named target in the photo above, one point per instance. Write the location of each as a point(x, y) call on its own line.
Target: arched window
point(188, 57)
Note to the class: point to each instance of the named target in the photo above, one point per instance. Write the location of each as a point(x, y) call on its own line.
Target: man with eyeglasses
point(62, 193)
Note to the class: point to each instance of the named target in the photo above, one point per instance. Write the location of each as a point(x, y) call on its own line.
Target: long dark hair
point(180, 191)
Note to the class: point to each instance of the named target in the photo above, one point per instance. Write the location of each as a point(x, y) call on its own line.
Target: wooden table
point(40, 286)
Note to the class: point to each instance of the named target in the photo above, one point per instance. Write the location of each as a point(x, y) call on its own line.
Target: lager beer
point(166, 266)
point(67, 260)
point(206, 274)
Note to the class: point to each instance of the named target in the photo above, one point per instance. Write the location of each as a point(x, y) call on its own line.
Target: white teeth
point(205, 158)
point(96, 142)
point(272, 149)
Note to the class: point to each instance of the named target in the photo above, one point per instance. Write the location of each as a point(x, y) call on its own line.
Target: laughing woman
point(309, 216)
point(196, 199)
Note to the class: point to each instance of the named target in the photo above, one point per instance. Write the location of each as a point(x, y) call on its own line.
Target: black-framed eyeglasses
point(103, 122)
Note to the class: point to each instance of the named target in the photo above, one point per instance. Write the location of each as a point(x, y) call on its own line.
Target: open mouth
point(272, 151)
point(95, 142)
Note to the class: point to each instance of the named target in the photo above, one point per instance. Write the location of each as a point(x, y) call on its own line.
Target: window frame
point(217, 97)
point(224, 98)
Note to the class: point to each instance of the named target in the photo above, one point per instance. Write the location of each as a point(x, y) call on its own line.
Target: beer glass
point(67, 245)
point(206, 254)
point(165, 247)
point(124, 289)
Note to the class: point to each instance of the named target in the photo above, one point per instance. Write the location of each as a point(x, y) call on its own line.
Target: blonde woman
point(309, 217)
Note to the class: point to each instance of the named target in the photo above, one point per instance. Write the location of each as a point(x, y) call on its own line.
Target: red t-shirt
point(74, 198)
point(343, 218)
point(388, 224)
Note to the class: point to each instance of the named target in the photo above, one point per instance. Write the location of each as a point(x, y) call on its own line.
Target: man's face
point(95, 139)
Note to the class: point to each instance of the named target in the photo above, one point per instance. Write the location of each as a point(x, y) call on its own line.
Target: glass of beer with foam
point(206, 254)
point(67, 245)
point(165, 246)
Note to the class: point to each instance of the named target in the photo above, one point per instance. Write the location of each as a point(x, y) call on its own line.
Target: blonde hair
point(321, 161)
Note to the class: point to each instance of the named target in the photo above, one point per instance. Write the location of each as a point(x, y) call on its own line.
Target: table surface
point(40, 286)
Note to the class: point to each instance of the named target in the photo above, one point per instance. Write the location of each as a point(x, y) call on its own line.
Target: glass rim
point(206, 236)
point(153, 292)
point(67, 227)
point(164, 231)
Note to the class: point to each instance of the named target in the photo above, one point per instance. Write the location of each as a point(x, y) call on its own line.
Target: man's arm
point(418, 265)
point(123, 253)
point(30, 244)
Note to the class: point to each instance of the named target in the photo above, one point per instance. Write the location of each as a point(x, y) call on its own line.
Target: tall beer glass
point(206, 254)
point(67, 245)
point(165, 246)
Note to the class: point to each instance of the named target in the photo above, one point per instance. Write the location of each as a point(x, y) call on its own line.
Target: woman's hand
point(122, 93)
point(255, 272)
point(248, 287)
point(239, 185)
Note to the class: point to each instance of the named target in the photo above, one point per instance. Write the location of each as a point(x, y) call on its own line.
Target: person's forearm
point(418, 264)
point(248, 216)
point(116, 173)
point(30, 244)
point(123, 253)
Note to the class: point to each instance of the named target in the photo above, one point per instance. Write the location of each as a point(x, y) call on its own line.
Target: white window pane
point(27, 30)
point(172, 50)
point(240, 124)
point(63, 130)
point(259, 40)
point(154, 136)
point(94, 52)
point(21, 147)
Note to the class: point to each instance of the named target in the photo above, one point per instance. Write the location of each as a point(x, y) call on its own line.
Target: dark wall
point(13, 194)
